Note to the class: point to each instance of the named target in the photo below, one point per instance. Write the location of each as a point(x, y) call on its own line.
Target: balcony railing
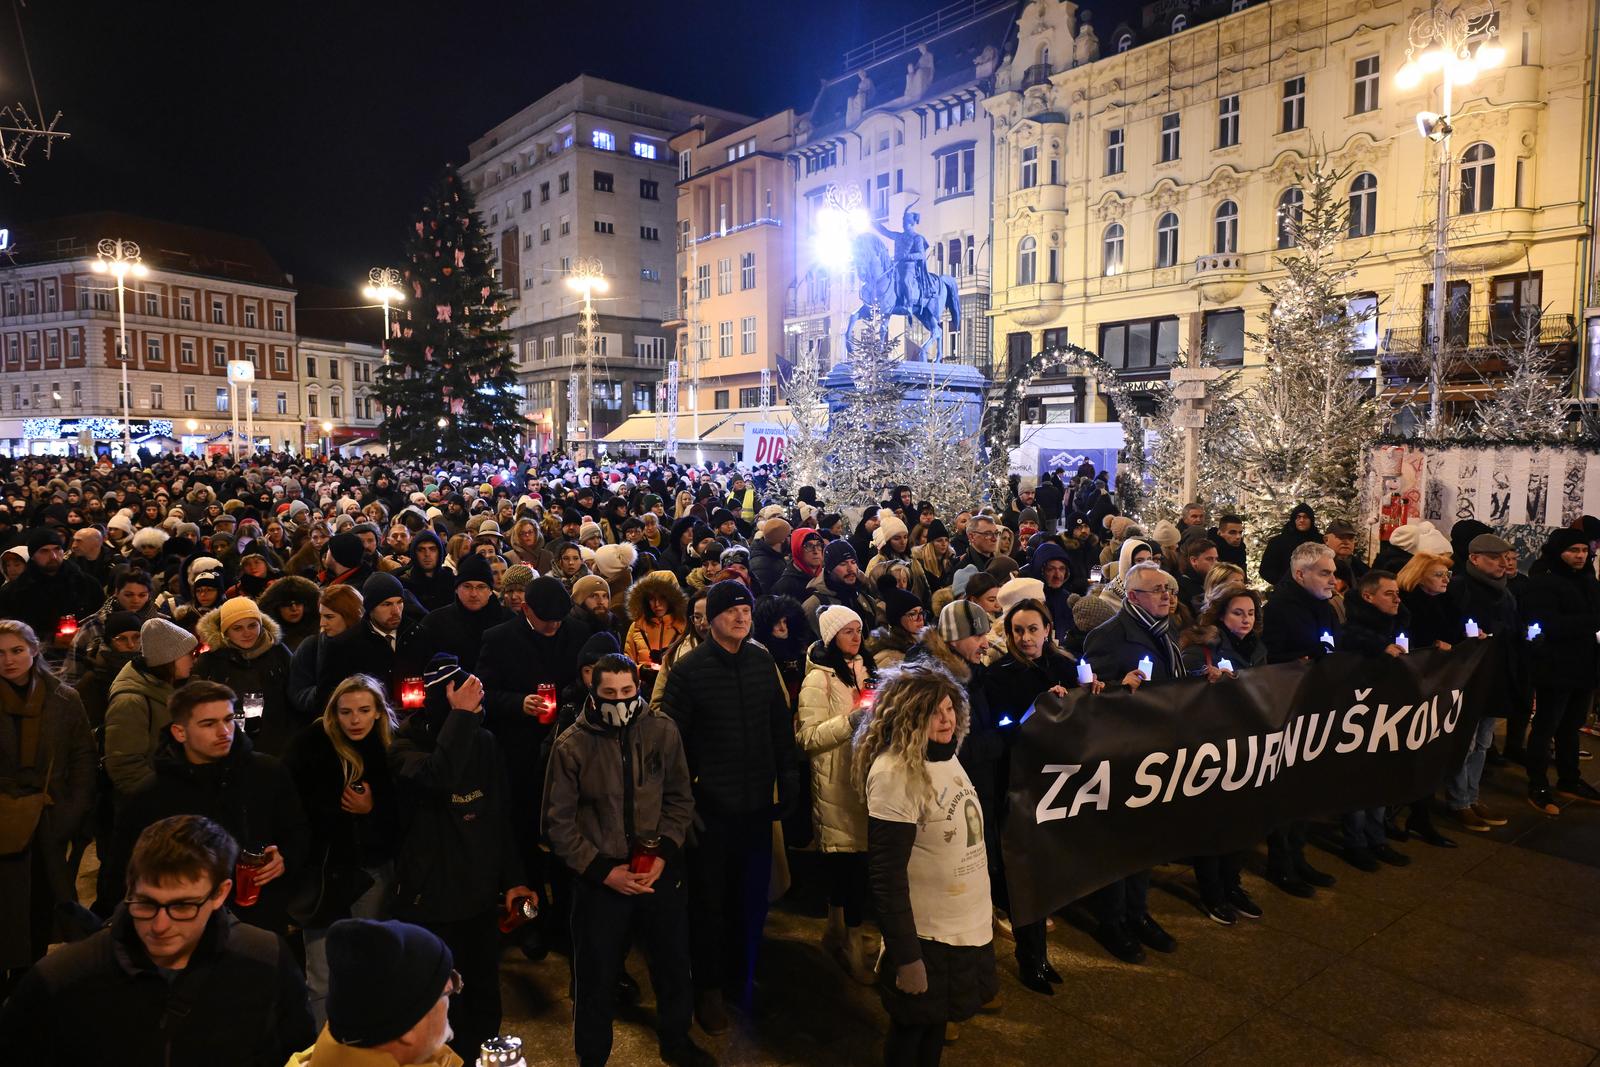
point(1487, 332)
point(1219, 264)
point(1038, 74)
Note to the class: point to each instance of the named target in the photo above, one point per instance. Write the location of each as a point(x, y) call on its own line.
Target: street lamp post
point(1455, 45)
point(383, 286)
point(587, 278)
point(120, 258)
point(327, 439)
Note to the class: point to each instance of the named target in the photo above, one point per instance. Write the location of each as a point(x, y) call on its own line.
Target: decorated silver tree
point(870, 436)
point(943, 462)
point(1306, 422)
point(806, 450)
point(1528, 404)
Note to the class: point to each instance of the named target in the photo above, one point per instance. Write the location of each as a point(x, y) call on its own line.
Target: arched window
point(1290, 204)
point(1027, 261)
point(1363, 205)
point(1225, 235)
point(1167, 240)
point(1124, 42)
point(1180, 23)
point(1111, 259)
point(1477, 179)
point(1043, 59)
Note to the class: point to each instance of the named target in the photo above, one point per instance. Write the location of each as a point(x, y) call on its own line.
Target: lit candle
point(1472, 628)
point(67, 627)
point(1146, 667)
point(1402, 642)
point(1534, 630)
point(412, 693)
point(1005, 720)
point(1225, 664)
point(1327, 638)
point(1085, 673)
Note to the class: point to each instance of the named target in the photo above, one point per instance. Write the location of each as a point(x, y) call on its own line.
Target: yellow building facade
point(1140, 193)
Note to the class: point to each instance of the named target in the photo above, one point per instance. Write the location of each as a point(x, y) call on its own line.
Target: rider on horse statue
point(911, 278)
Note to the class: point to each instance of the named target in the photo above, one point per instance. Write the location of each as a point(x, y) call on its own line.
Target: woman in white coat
point(834, 699)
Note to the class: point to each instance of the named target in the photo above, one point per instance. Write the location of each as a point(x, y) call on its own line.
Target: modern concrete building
point(204, 298)
point(1140, 195)
point(585, 173)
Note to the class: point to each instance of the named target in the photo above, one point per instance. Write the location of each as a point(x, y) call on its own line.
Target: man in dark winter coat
point(1300, 528)
point(50, 588)
point(205, 766)
point(458, 864)
point(1047, 500)
point(458, 627)
point(379, 646)
point(429, 580)
point(1228, 536)
point(1299, 623)
point(173, 979)
point(769, 552)
point(840, 583)
point(733, 714)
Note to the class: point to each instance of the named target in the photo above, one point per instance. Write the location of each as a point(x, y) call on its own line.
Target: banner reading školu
point(1102, 786)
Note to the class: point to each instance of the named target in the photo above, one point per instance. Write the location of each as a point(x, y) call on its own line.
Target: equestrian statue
point(901, 284)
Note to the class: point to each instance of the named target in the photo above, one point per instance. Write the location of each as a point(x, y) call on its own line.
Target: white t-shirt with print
point(948, 872)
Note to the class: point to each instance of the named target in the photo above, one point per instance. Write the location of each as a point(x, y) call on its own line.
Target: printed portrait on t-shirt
point(974, 824)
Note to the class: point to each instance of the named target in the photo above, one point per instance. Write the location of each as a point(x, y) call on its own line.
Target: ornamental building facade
point(1142, 183)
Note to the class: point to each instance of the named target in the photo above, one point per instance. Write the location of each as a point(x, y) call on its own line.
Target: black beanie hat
point(383, 979)
point(378, 587)
point(41, 537)
point(897, 601)
point(121, 622)
point(726, 594)
point(720, 516)
point(599, 644)
point(936, 530)
point(474, 568)
point(836, 553)
point(547, 598)
point(346, 549)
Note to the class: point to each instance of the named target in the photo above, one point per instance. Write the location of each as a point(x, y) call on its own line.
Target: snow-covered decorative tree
point(806, 449)
point(1306, 423)
point(449, 392)
point(1528, 404)
point(943, 463)
point(870, 436)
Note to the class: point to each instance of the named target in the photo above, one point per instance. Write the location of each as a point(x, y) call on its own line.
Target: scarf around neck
point(27, 706)
point(1160, 630)
point(1491, 582)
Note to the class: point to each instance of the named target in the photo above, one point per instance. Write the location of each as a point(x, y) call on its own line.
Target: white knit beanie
point(832, 619)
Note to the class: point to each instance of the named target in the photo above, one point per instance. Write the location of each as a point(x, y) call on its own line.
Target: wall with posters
point(1521, 491)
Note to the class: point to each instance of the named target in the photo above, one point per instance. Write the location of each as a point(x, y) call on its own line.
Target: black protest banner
point(1106, 785)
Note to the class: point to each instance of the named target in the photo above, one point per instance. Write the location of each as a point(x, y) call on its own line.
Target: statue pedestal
point(957, 383)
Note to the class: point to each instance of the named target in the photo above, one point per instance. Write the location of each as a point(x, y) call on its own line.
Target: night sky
point(317, 127)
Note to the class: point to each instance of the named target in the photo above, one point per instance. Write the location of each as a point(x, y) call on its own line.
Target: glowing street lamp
point(120, 258)
point(1453, 46)
point(588, 277)
point(838, 223)
point(327, 438)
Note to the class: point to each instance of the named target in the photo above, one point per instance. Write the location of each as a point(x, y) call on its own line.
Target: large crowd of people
point(340, 734)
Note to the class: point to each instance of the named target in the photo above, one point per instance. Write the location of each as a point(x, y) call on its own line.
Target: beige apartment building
point(735, 260)
point(1142, 183)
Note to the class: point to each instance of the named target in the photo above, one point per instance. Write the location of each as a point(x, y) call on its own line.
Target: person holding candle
point(1482, 596)
point(1563, 599)
point(1436, 622)
point(840, 674)
point(1134, 648)
point(1224, 641)
point(245, 652)
point(381, 646)
point(49, 590)
point(1032, 666)
point(1375, 625)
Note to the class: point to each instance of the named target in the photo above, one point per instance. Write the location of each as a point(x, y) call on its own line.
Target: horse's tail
point(952, 297)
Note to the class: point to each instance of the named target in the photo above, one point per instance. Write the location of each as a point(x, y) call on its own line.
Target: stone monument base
point(957, 383)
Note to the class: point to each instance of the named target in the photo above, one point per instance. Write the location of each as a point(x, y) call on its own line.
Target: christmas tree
point(1306, 422)
point(943, 463)
point(868, 438)
point(1529, 403)
point(806, 448)
point(449, 392)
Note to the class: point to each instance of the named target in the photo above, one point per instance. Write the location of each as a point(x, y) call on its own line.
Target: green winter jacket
point(136, 717)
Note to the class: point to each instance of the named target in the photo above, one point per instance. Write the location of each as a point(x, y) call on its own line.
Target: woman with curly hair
point(926, 861)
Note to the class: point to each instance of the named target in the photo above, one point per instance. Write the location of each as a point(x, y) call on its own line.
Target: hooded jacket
point(262, 668)
point(649, 638)
point(1057, 599)
point(291, 589)
point(608, 786)
point(458, 631)
point(241, 1001)
point(766, 563)
point(824, 731)
point(136, 720)
point(822, 592)
point(1566, 605)
point(437, 589)
point(794, 577)
point(1275, 557)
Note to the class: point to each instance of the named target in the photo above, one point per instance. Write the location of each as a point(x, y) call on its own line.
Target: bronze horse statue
point(901, 284)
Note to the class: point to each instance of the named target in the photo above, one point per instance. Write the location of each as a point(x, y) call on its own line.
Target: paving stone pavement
point(1484, 954)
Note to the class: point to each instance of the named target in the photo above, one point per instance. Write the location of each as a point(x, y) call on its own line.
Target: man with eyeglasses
point(173, 979)
point(983, 539)
point(1135, 647)
point(389, 990)
point(805, 563)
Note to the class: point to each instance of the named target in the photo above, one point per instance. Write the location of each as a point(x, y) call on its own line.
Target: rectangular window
point(649, 233)
point(283, 403)
point(725, 337)
point(75, 347)
point(333, 406)
point(222, 399)
point(158, 398)
point(1114, 151)
point(279, 320)
point(544, 192)
point(188, 396)
point(218, 312)
point(603, 182)
point(152, 304)
point(152, 349)
point(1144, 344)
point(333, 369)
point(747, 270)
point(1228, 121)
point(649, 189)
point(604, 140)
point(880, 199)
point(50, 297)
point(604, 226)
point(1170, 142)
point(55, 394)
point(219, 356)
point(747, 335)
point(1366, 85)
point(1362, 310)
point(250, 316)
point(1224, 331)
point(724, 276)
point(1294, 103)
point(750, 397)
point(311, 366)
point(566, 225)
point(702, 280)
point(527, 199)
point(645, 150)
point(719, 400)
point(186, 307)
point(563, 182)
point(280, 361)
point(1029, 176)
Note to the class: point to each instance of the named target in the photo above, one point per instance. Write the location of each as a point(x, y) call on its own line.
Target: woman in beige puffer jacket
point(838, 671)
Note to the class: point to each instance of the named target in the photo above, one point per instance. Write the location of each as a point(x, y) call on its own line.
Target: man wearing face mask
point(618, 804)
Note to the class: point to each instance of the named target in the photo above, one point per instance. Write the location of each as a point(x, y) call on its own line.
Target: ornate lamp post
point(120, 258)
point(383, 286)
point(588, 277)
point(1453, 45)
